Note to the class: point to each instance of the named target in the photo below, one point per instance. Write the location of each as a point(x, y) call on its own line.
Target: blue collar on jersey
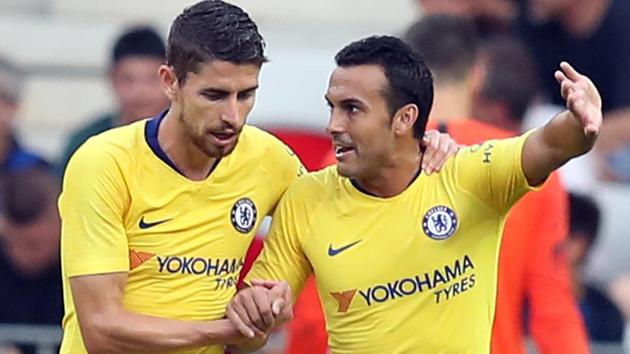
point(151, 135)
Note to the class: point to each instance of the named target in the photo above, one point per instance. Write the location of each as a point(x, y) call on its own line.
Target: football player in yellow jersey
point(157, 215)
point(405, 262)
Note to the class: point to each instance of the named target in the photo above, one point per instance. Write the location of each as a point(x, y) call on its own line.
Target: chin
point(219, 152)
point(345, 171)
point(214, 151)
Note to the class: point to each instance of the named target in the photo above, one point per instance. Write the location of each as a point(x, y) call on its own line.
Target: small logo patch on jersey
point(147, 225)
point(440, 222)
point(335, 251)
point(244, 215)
point(136, 258)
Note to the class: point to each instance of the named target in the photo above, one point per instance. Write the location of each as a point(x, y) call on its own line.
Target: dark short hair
point(25, 194)
point(511, 75)
point(409, 79)
point(211, 30)
point(447, 43)
point(584, 217)
point(141, 41)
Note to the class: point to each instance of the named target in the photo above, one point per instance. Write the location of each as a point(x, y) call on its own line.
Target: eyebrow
point(222, 91)
point(347, 101)
point(255, 87)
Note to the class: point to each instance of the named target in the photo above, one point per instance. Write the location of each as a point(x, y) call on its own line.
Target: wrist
point(219, 332)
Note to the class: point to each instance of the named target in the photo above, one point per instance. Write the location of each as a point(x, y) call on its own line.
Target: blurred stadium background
point(64, 46)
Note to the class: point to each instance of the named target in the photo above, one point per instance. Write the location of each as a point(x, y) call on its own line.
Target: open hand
point(583, 99)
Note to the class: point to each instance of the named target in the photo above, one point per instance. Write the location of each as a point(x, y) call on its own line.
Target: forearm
point(553, 145)
point(131, 332)
point(565, 138)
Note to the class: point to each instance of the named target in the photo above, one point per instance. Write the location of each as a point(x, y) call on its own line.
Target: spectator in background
point(594, 35)
point(488, 16)
point(504, 83)
point(133, 74)
point(530, 268)
point(603, 319)
point(30, 273)
point(13, 156)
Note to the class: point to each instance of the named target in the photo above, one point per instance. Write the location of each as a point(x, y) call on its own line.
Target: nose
point(335, 123)
point(230, 113)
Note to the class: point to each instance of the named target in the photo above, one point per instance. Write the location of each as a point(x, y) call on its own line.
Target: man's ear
point(405, 118)
point(170, 83)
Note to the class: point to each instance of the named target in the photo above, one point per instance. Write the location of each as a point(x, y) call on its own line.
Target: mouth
point(223, 138)
point(344, 151)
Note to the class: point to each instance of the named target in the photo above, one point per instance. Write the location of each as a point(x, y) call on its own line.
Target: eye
point(213, 96)
point(351, 108)
point(246, 95)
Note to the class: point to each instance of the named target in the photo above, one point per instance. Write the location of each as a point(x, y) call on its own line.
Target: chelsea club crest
point(243, 215)
point(440, 222)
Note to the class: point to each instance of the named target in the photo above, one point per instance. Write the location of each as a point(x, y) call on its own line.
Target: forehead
point(361, 81)
point(224, 75)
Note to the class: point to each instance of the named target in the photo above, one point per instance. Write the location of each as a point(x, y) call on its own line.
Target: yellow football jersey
point(415, 273)
point(126, 208)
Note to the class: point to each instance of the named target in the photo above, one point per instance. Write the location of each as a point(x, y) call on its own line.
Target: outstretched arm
point(570, 133)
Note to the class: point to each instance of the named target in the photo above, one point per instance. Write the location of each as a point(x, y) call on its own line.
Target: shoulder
point(113, 147)
point(261, 141)
point(271, 153)
point(314, 186)
point(487, 158)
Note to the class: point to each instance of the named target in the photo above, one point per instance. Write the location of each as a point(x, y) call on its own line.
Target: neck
point(189, 159)
point(584, 16)
point(452, 102)
point(396, 175)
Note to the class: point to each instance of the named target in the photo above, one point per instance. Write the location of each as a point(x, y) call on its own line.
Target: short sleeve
point(283, 256)
point(92, 205)
point(284, 167)
point(493, 172)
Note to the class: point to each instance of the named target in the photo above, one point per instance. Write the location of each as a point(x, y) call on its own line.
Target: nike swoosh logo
point(333, 252)
point(147, 225)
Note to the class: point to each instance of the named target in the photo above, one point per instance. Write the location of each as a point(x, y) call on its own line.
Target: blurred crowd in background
point(564, 280)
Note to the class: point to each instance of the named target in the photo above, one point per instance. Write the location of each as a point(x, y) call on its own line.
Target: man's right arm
point(282, 261)
point(106, 326)
point(95, 259)
point(283, 257)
